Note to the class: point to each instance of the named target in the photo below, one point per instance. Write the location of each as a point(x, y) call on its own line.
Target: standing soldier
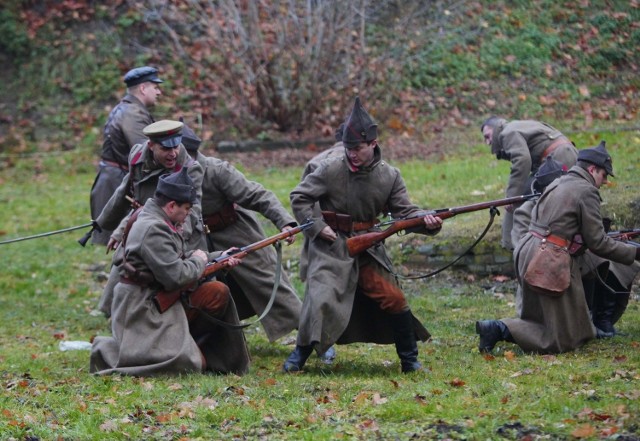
point(124, 129)
point(150, 336)
point(354, 299)
point(526, 144)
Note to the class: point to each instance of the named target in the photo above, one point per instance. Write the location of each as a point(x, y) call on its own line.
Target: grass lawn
point(49, 289)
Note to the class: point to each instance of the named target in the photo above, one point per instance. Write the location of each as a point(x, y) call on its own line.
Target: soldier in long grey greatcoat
point(161, 154)
point(569, 206)
point(150, 337)
point(607, 284)
point(123, 130)
point(229, 201)
point(354, 299)
point(526, 144)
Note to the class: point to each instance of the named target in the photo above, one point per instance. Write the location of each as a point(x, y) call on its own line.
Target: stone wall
point(487, 258)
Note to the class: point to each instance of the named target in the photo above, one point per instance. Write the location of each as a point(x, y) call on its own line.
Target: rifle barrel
point(361, 242)
point(218, 263)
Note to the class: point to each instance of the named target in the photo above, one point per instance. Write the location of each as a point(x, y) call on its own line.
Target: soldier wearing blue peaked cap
point(141, 75)
point(122, 130)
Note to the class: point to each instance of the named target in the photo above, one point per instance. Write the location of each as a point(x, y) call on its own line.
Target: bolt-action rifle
point(165, 299)
point(624, 235)
point(362, 242)
point(577, 243)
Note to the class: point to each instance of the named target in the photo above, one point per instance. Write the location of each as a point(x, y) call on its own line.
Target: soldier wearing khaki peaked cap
point(123, 129)
point(161, 154)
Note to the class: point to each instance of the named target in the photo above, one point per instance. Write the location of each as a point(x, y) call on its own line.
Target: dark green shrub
point(14, 40)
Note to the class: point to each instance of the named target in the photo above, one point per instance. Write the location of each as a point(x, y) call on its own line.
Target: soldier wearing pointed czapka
point(354, 299)
point(569, 206)
point(150, 339)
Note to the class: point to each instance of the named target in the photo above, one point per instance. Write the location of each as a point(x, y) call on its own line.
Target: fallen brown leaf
point(361, 398)
point(584, 431)
point(421, 399)
point(620, 358)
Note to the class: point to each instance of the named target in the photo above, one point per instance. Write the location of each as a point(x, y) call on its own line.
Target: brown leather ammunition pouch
point(134, 276)
point(577, 246)
point(222, 219)
point(164, 299)
point(549, 270)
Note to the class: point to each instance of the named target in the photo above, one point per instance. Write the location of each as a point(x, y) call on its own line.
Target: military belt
point(344, 222)
point(551, 238)
point(222, 219)
point(562, 140)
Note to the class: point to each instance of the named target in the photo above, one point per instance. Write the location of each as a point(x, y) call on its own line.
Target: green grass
point(49, 288)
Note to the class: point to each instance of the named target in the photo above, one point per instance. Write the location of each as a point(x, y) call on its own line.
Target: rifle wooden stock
point(164, 299)
point(362, 242)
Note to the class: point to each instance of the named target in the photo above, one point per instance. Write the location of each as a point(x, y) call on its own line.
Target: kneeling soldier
point(151, 337)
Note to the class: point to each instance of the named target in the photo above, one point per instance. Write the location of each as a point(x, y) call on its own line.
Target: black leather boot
point(297, 358)
point(603, 315)
point(491, 332)
point(609, 306)
point(329, 356)
point(405, 338)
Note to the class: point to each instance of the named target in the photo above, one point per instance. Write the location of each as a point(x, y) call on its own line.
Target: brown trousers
point(211, 297)
point(381, 286)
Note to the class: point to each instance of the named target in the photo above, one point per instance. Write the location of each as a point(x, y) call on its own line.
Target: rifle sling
point(274, 291)
point(493, 211)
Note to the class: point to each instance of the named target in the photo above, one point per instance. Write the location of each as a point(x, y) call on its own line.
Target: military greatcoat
point(141, 183)
point(252, 281)
point(336, 151)
point(524, 144)
point(146, 342)
point(332, 311)
point(570, 205)
point(122, 130)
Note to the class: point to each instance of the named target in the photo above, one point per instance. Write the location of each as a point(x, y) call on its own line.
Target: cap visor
point(171, 143)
